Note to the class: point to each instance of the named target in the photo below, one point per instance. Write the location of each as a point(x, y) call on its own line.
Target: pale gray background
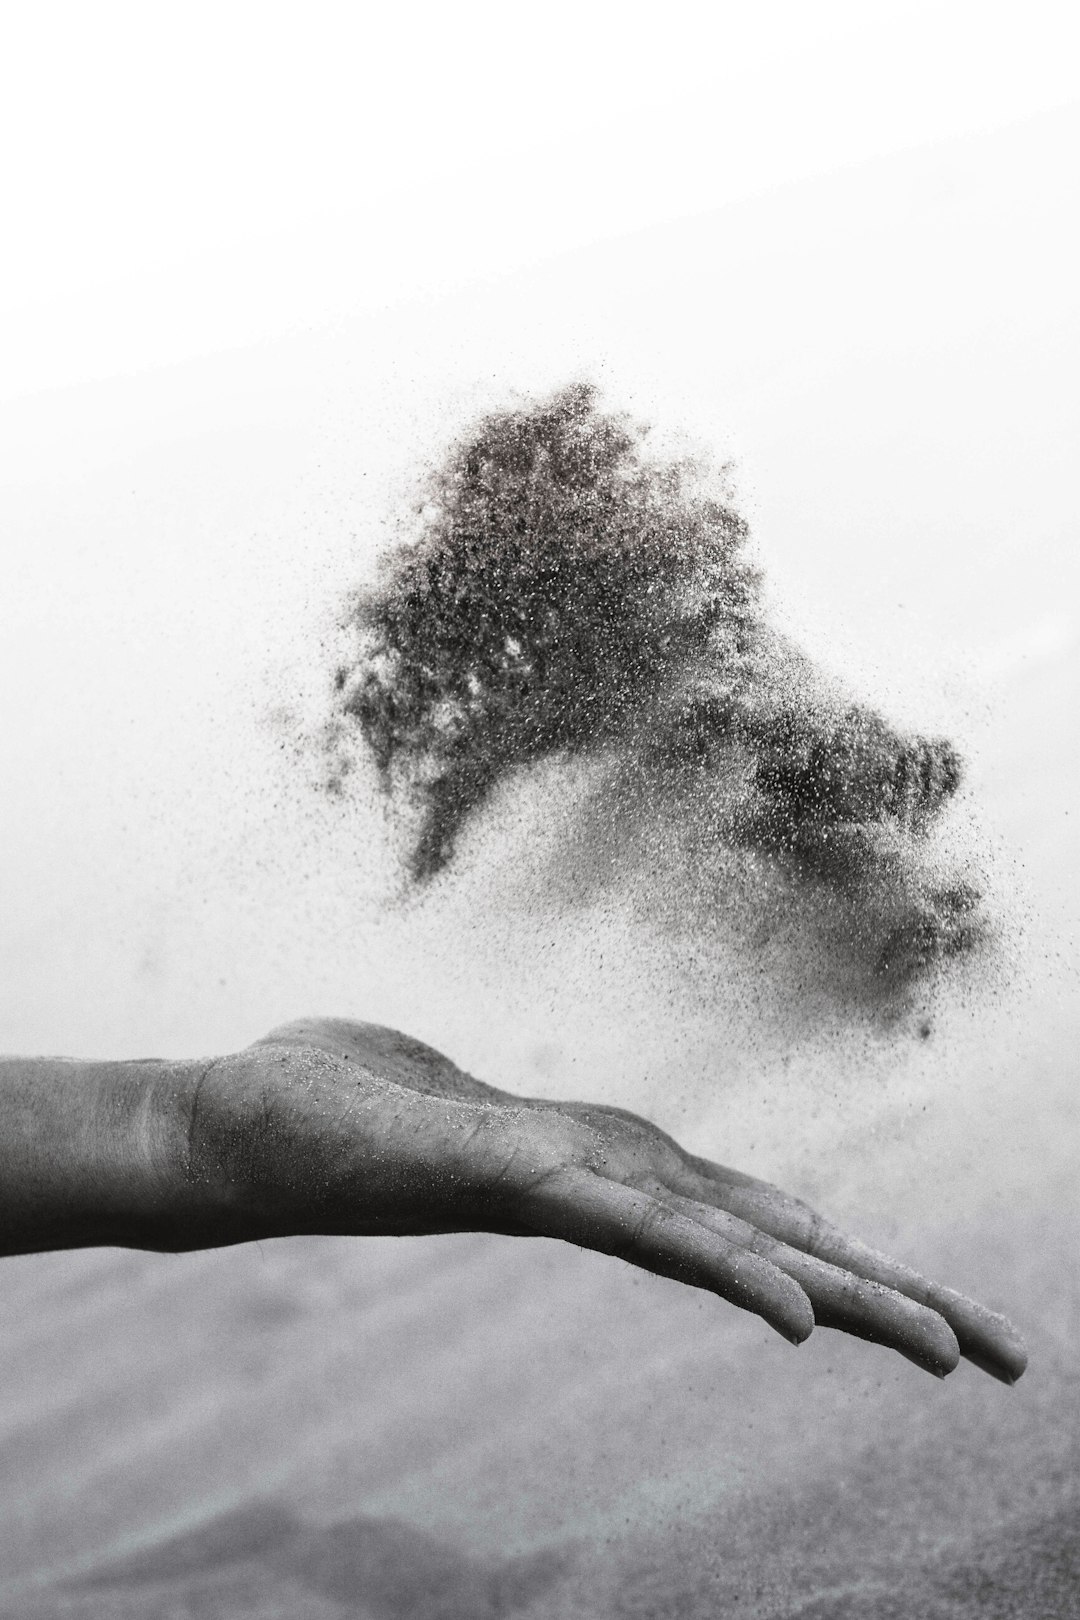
point(890, 352)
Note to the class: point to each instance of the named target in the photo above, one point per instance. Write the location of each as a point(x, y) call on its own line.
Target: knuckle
point(814, 1230)
point(650, 1221)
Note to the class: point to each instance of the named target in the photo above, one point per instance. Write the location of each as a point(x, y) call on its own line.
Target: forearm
point(96, 1154)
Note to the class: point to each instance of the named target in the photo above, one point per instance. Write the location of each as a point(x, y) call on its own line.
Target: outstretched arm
point(330, 1126)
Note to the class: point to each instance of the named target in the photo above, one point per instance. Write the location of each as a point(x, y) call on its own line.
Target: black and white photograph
point(540, 647)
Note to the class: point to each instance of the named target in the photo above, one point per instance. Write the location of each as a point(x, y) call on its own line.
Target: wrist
point(198, 1189)
point(96, 1154)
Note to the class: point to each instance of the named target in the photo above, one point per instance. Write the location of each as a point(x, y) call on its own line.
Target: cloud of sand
point(575, 626)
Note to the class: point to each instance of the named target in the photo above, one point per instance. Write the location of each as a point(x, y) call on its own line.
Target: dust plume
point(571, 602)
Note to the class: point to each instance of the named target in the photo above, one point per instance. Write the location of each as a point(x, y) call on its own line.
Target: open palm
point(332, 1126)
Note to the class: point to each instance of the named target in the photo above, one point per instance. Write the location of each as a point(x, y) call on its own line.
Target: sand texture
point(475, 1426)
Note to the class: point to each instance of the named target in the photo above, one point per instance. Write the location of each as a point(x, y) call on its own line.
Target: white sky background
point(893, 346)
point(176, 180)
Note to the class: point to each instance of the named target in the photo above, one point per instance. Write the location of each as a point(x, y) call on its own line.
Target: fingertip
point(797, 1322)
point(926, 1364)
point(771, 1294)
point(944, 1354)
point(934, 1348)
point(1008, 1367)
point(989, 1341)
point(1014, 1365)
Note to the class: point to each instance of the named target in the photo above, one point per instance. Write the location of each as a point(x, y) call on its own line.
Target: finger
point(581, 1207)
point(841, 1299)
point(985, 1338)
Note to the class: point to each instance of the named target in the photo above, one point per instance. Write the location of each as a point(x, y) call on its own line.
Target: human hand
point(337, 1127)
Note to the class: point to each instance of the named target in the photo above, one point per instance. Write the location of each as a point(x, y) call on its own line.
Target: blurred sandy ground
point(891, 354)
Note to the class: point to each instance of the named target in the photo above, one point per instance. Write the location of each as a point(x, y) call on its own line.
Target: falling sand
point(575, 612)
